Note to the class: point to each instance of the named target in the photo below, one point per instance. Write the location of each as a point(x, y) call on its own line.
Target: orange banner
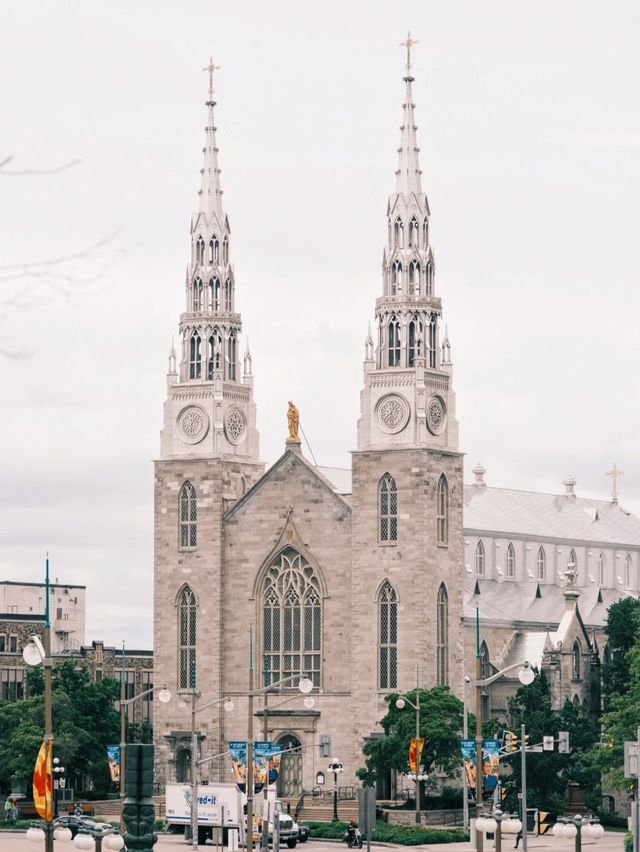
point(42, 786)
point(415, 753)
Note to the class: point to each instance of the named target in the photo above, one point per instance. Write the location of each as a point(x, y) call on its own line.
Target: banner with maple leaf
point(415, 753)
point(42, 786)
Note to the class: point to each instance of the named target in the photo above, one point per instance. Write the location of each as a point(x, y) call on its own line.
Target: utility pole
point(479, 834)
point(48, 709)
point(249, 841)
point(523, 764)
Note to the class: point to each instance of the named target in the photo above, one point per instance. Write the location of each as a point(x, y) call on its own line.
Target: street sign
point(631, 759)
point(547, 743)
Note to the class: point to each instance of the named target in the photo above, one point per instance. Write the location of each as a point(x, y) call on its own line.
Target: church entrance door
point(289, 783)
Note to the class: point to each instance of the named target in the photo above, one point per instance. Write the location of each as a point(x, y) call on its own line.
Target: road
point(611, 842)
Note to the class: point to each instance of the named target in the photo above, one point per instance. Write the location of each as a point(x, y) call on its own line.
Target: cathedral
point(357, 579)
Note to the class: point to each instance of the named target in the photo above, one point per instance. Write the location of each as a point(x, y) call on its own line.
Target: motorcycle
point(353, 838)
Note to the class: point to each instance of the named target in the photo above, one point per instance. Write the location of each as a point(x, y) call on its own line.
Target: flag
point(42, 786)
point(415, 753)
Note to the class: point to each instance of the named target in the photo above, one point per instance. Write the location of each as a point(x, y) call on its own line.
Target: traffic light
point(525, 744)
point(509, 741)
point(563, 742)
point(503, 793)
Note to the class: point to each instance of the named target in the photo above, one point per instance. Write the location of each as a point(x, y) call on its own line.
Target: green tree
point(620, 640)
point(548, 773)
point(441, 716)
point(84, 722)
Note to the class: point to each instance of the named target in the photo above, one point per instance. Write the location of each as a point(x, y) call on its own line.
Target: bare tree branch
point(53, 171)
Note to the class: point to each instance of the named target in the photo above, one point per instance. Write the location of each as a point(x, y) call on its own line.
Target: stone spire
point(223, 421)
point(408, 173)
point(409, 351)
point(210, 191)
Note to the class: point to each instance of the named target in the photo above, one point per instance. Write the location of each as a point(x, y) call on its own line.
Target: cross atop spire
point(211, 68)
point(408, 43)
point(614, 473)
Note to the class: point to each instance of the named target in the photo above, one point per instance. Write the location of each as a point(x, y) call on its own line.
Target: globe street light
point(577, 826)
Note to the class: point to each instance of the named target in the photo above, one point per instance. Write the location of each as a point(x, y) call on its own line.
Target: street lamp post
point(58, 783)
point(574, 827)
point(400, 704)
point(336, 767)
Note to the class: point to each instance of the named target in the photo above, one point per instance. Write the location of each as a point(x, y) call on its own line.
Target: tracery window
point(291, 619)
point(200, 250)
point(541, 564)
point(485, 661)
point(214, 250)
point(197, 295)
point(388, 508)
point(442, 511)
point(396, 278)
point(601, 567)
point(414, 232)
point(195, 356)
point(442, 637)
point(510, 566)
point(232, 356)
point(388, 638)
point(413, 341)
point(214, 353)
point(188, 516)
point(398, 233)
point(432, 341)
point(414, 277)
point(576, 660)
point(187, 633)
point(479, 558)
point(394, 343)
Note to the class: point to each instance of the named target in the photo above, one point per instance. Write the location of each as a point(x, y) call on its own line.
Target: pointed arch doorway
point(289, 783)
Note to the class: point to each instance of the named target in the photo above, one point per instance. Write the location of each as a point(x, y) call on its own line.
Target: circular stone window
point(392, 412)
point(436, 415)
point(193, 424)
point(234, 425)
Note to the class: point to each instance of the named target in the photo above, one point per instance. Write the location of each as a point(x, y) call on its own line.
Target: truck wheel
point(292, 843)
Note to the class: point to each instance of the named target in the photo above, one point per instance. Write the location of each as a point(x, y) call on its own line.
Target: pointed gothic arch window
point(228, 293)
point(212, 294)
point(214, 250)
point(214, 353)
point(442, 512)
point(198, 304)
point(200, 251)
point(232, 355)
point(576, 660)
point(225, 251)
point(396, 278)
point(601, 570)
point(413, 340)
point(291, 619)
point(485, 661)
point(216, 295)
point(510, 567)
point(387, 637)
point(541, 564)
point(394, 342)
point(442, 637)
point(414, 277)
point(572, 565)
point(380, 352)
point(187, 505)
point(627, 571)
point(398, 234)
point(414, 233)
point(425, 233)
point(388, 508)
point(195, 356)
point(429, 279)
point(479, 560)
point(187, 637)
point(433, 341)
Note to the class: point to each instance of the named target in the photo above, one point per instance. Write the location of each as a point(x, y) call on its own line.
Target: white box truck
point(219, 807)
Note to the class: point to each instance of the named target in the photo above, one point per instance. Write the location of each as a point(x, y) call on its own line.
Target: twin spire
point(210, 192)
point(408, 174)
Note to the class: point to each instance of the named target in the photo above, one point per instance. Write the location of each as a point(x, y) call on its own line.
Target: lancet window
point(228, 287)
point(214, 353)
point(394, 343)
point(576, 655)
point(425, 233)
point(291, 619)
point(387, 637)
point(627, 572)
point(197, 295)
point(187, 506)
point(232, 355)
point(414, 340)
point(429, 279)
point(225, 251)
point(433, 337)
point(414, 233)
point(442, 511)
point(187, 638)
point(200, 251)
point(214, 250)
point(479, 558)
point(388, 508)
point(442, 637)
point(414, 277)
point(601, 570)
point(541, 564)
point(398, 234)
point(195, 356)
point(510, 562)
point(396, 278)
point(573, 562)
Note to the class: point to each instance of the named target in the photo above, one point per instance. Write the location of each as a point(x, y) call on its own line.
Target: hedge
point(385, 833)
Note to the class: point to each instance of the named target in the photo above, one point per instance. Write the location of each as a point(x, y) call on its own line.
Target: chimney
point(569, 486)
point(479, 472)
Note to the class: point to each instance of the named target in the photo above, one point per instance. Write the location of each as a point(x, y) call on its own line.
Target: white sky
point(529, 125)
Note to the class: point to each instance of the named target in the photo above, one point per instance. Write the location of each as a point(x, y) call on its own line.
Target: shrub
point(628, 842)
point(385, 833)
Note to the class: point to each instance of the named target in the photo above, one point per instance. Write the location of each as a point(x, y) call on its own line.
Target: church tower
point(407, 487)
point(208, 459)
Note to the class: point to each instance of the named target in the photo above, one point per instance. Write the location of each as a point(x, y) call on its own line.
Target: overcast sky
point(529, 128)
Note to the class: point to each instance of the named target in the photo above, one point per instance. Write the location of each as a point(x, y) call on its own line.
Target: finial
point(408, 43)
point(211, 68)
point(614, 473)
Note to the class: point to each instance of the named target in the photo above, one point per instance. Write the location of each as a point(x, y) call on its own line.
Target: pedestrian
point(518, 838)
point(8, 809)
point(77, 811)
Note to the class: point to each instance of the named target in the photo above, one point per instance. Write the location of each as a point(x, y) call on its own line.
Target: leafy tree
point(84, 722)
point(621, 639)
point(548, 773)
point(441, 715)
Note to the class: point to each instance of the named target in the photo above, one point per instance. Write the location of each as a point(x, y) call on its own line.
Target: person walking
point(8, 810)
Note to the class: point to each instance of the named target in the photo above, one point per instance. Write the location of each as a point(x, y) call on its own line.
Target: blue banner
point(490, 764)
